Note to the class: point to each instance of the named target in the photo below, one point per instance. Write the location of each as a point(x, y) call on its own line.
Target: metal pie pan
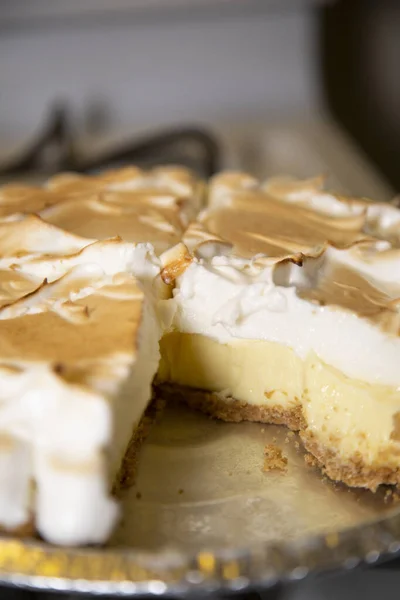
point(203, 515)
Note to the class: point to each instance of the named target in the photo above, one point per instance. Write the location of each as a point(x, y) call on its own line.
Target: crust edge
point(353, 472)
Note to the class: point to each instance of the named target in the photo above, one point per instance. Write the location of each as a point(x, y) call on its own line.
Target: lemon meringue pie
point(275, 302)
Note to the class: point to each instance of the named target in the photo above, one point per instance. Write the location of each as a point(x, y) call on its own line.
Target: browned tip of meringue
point(175, 180)
point(70, 181)
point(281, 217)
point(30, 234)
point(284, 185)
point(175, 261)
point(17, 198)
point(98, 326)
point(15, 285)
point(151, 206)
point(233, 180)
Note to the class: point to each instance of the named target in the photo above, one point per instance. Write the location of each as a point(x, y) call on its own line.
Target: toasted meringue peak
point(327, 280)
point(76, 283)
point(197, 234)
point(174, 263)
point(74, 319)
point(224, 184)
point(280, 216)
point(139, 206)
point(33, 250)
point(102, 216)
point(66, 289)
point(16, 198)
point(76, 329)
point(165, 180)
point(383, 221)
point(311, 194)
point(30, 235)
point(15, 285)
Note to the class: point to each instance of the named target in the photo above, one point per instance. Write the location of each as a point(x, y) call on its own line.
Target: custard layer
point(347, 417)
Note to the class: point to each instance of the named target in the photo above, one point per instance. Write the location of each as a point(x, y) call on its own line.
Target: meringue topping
point(350, 245)
point(14, 285)
point(139, 206)
point(270, 219)
point(63, 368)
point(29, 235)
point(49, 321)
point(79, 343)
point(17, 198)
point(79, 346)
point(106, 215)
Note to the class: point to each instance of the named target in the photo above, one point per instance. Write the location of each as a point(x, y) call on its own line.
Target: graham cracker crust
point(127, 472)
point(274, 459)
point(25, 530)
point(229, 409)
point(354, 473)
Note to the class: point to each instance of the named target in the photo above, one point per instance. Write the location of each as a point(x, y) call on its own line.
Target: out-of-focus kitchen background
point(283, 85)
point(302, 86)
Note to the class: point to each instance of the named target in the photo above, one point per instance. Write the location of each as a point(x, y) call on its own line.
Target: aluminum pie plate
point(204, 516)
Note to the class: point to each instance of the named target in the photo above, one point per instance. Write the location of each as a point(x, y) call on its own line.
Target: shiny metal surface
point(200, 484)
point(203, 515)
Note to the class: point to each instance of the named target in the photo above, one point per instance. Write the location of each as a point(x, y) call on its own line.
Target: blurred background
point(264, 85)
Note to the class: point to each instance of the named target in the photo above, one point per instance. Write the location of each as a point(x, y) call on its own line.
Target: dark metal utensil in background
point(55, 150)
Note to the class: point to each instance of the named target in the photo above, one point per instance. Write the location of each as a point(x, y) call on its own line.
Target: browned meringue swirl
point(96, 217)
point(341, 286)
point(139, 206)
point(262, 221)
point(97, 326)
point(340, 244)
